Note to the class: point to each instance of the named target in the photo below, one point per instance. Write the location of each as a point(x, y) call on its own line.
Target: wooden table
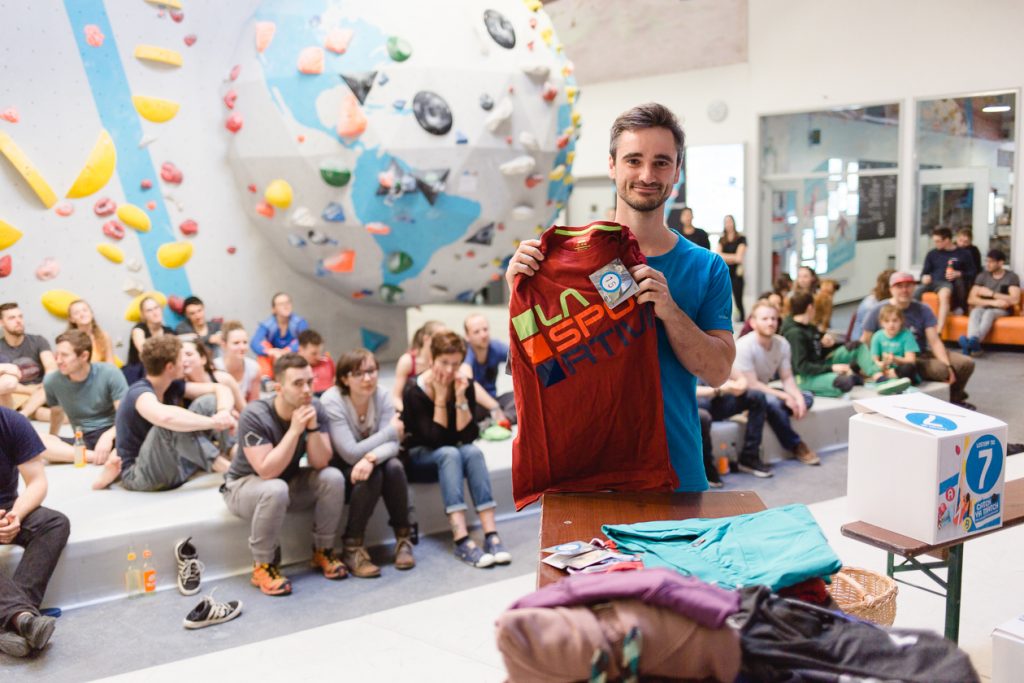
point(950, 554)
point(568, 517)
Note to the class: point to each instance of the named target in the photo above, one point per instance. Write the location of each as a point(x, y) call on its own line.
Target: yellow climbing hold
point(533, 5)
point(155, 109)
point(133, 217)
point(575, 118)
point(23, 166)
point(547, 35)
point(131, 314)
point(111, 253)
point(570, 93)
point(570, 157)
point(57, 301)
point(279, 194)
point(8, 235)
point(99, 167)
point(174, 254)
point(556, 173)
point(162, 55)
point(169, 4)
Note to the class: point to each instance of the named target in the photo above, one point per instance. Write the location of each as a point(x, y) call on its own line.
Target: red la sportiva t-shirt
point(584, 358)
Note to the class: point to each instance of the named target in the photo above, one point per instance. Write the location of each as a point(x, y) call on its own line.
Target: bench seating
point(1007, 330)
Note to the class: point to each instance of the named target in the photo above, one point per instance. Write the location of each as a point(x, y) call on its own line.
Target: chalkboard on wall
point(876, 215)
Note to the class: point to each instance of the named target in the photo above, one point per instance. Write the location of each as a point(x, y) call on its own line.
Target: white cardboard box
point(925, 468)
point(1008, 651)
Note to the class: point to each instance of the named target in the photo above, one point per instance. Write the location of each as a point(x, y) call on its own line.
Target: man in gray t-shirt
point(266, 480)
point(31, 354)
point(995, 294)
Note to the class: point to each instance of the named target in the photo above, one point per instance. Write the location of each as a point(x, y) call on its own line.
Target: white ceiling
point(611, 40)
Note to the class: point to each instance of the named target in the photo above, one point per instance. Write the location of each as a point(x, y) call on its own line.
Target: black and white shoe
point(189, 567)
point(754, 467)
point(210, 612)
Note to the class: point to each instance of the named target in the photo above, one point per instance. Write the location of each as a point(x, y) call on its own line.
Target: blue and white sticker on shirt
point(614, 283)
point(936, 423)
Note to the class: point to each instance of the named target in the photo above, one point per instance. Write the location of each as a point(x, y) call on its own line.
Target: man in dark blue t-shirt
point(484, 355)
point(42, 532)
point(947, 270)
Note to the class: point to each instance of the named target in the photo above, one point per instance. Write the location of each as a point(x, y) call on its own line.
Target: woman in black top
point(151, 325)
point(732, 247)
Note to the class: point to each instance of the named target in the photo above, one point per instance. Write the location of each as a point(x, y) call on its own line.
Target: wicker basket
point(865, 594)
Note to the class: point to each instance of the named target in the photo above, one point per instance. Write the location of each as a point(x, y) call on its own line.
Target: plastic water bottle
point(132, 576)
point(79, 449)
point(148, 572)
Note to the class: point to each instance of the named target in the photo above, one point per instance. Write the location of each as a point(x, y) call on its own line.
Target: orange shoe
point(331, 566)
point(267, 577)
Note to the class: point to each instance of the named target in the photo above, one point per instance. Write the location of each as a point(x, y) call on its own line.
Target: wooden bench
point(949, 554)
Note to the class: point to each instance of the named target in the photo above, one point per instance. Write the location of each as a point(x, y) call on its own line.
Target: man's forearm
point(225, 397)
point(30, 499)
point(704, 355)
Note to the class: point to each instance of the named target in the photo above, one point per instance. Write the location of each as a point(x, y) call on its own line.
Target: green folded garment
point(496, 433)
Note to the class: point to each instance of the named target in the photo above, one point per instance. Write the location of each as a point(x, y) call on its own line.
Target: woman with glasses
point(365, 432)
point(438, 417)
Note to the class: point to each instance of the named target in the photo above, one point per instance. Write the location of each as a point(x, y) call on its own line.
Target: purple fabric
point(703, 603)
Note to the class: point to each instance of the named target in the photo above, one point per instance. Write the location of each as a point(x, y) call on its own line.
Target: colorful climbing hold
point(174, 254)
point(342, 262)
point(65, 209)
point(338, 39)
point(303, 218)
point(432, 112)
point(155, 109)
point(550, 92)
point(29, 172)
point(160, 55)
point(234, 123)
point(533, 180)
point(110, 252)
point(188, 227)
point(264, 209)
point(93, 35)
point(486, 102)
point(557, 173)
point(352, 121)
point(460, 138)
point(133, 217)
point(334, 213)
point(230, 97)
point(151, 205)
point(399, 49)
point(113, 230)
point(177, 16)
point(8, 235)
point(378, 228)
point(278, 193)
point(98, 169)
point(383, 79)
point(319, 238)
point(484, 235)
point(48, 269)
point(398, 105)
point(311, 60)
point(170, 173)
point(146, 184)
point(372, 341)
point(10, 115)
point(334, 175)
point(235, 70)
point(499, 115)
point(5, 265)
point(190, 39)
point(264, 34)
point(398, 262)
point(296, 241)
point(232, 250)
point(57, 301)
point(252, 188)
point(521, 165)
point(176, 304)
point(391, 294)
point(360, 83)
point(500, 28)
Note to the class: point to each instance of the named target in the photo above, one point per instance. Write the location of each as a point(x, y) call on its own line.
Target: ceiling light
point(996, 108)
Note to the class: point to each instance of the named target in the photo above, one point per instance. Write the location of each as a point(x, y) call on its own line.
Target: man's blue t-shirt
point(698, 280)
point(486, 373)
point(917, 317)
point(19, 443)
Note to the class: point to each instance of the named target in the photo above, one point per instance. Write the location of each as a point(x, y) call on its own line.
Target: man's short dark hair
point(447, 342)
point(8, 306)
point(966, 231)
point(943, 232)
point(310, 338)
point(273, 299)
point(685, 209)
point(192, 301)
point(650, 115)
point(997, 255)
point(286, 362)
point(800, 301)
point(80, 342)
point(157, 352)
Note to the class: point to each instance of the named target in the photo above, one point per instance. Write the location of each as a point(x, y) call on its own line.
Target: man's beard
point(645, 205)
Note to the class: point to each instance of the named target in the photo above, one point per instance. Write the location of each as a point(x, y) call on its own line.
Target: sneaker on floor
point(754, 467)
point(13, 645)
point(716, 484)
point(494, 547)
point(806, 455)
point(189, 567)
point(35, 629)
point(332, 567)
point(472, 555)
point(210, 612)
point(974, 344)
point(893, 386)
point(965, 404)
point(965, 345)
point(268, 578)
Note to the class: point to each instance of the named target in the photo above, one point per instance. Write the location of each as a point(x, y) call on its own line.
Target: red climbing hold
point(171, 174)
point(189, 227)
point(232, 250)
point(5, 265)
point(177, 15)
point(105, 207)
point(176, 303)
point(229, 99)
point(252, 188)
point(65, 209)
point(151, 205)
point(265, 209)
point(234, 123)
point(235, 70)
point(146, 184)
point(113, 230)
point(190, 39)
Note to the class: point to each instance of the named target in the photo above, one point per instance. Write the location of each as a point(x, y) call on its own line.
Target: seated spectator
point(762, 356)
point(151, 325)
point(195, 327)
point(88, 393)
point(893, 347)
point(160, 444)
point(822, 366)
point(934, 362)
point(806, 280)
point(947, 270)
point(80, 317)
point(366, 432)
point(438, 419)
point(414, 361)
point(484, 356)
point(33, 358)
point(311, 347)
point(879, 293)
point(965, 240)
point(266, 478)
point(10, 380)
point(782, 286)
point(995, 293)
point(197, 366)
point(236, 362)
point(278, 334)
point(24, 521)
point(732, 398)
point(765, 297)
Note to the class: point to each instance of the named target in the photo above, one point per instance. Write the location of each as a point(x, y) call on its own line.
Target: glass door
point(954, 198)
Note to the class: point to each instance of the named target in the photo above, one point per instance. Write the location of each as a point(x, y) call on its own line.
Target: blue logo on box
point(984, 463)
point(936, 423)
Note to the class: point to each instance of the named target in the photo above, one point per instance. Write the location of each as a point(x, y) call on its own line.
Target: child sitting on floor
point(893, 347)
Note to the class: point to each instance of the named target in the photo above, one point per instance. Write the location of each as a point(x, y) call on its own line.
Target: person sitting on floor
point(484, 356)
point(763, 356)
point(311, 347)
point(934, 362)
point(197, 366)
point(893, 347)
point(195, 326)
point(721, 403)
point(947, 270)
point(438, 419)
point(266, 478)
point(278, 334)
point(151, 325)
point(24, 522)
point(366, 432)
point(31, 354)
point(236, 362)
point(879, 293)
point(772, 298)
point(994, 295)
point(88, 393)
point(80, 317)
point(160, 444)
point(414, 361)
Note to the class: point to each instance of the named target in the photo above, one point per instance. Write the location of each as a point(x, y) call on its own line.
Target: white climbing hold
point(501, 113)
point(518, 166)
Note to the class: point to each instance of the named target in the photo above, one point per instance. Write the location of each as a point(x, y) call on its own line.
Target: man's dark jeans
point(44, 533)
point(759, 407)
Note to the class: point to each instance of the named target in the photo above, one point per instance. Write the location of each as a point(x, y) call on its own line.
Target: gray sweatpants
point(981, 320)
point(167, 458)
point(265, 502)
